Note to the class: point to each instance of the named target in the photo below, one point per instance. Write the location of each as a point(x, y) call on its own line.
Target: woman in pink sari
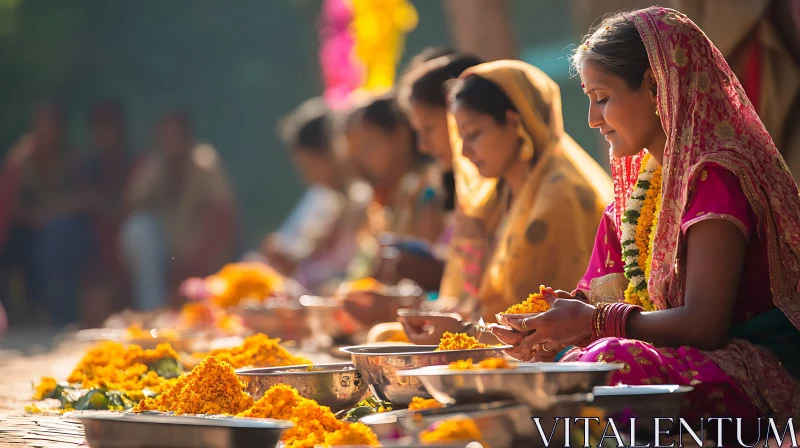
point(695, 274)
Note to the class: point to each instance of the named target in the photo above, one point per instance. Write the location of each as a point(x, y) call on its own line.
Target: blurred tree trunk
point(482, 27)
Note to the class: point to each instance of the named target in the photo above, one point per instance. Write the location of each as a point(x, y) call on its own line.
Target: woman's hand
point(540, 336)
point(428, 330)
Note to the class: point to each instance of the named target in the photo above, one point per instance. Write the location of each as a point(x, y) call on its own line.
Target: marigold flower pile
point(533, 304)
point(314, 424)
point(486, 364)
point(459, 341)
point(256, 351)
point(419, 404)
point(457, 429)
point(210, 388)
point(236, 282)
point(112, 366)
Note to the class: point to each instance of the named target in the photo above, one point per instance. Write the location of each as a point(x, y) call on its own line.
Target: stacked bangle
point(610, 319)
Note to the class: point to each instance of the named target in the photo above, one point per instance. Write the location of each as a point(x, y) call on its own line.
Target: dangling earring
point(657, 114)
point(526, 145)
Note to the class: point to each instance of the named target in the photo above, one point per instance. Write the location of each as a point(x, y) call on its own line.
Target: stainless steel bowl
point(502, 424)
point(380, 366)
point(108, 430)
point(282, 318)
point(536, 384)
point(644, 402)
point(338, 386)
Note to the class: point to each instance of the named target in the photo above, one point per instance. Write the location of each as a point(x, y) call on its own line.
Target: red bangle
point(625, 316)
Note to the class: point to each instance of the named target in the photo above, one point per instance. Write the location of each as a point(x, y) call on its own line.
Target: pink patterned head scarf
point(708, 118)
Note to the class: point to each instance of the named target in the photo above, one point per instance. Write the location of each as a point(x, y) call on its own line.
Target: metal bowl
point(109, 430)
point(280, 318)
point(338, 386)
point(644, 402)
point(538, 385)
point(380, 366)
point(503, 424)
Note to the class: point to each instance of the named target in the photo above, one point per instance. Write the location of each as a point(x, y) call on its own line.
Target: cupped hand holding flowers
point(540, 336)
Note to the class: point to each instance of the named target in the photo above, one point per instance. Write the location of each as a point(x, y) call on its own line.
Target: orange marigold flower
point(257, 350)
point(533, 304)
point(419, 404)
point(456, 429)
point(459, 341)
point(210, 388)
point(489, 363)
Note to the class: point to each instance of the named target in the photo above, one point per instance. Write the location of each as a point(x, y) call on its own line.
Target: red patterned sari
point(719, 163)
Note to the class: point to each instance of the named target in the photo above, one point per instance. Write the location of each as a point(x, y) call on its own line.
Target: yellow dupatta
point(549, 230)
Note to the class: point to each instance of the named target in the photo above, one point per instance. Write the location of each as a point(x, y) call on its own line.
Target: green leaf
point(166, 368)
point(93, 400)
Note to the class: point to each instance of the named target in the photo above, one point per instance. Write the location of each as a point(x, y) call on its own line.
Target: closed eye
point(602, 101)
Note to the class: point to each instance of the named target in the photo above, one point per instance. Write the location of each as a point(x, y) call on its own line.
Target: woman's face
point(491, 146)
point(626, 117)
point(430, 122)
point(376, 152)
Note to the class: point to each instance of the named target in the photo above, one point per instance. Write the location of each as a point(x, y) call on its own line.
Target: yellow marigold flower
point(256, 351)
point(533, 304)
point(455, 429)
point(398, 336)
point(243, 281)
point(210, 388)
point(46, 386)
point(313, 423)
point(459, 341)
point(352, 434)
point(364, 284)
point(489, 363)
point(418, 404)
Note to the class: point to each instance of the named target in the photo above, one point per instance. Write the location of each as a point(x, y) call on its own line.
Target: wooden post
point(482, 27)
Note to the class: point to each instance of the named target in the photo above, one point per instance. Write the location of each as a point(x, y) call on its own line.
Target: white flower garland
point(630, 252)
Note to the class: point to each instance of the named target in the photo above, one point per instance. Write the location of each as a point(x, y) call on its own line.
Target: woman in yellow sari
point(529, 197)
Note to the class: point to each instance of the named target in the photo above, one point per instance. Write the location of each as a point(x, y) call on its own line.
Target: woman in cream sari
point(528, 196)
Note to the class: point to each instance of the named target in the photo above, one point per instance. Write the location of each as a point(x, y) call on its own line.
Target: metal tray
point(156, 430)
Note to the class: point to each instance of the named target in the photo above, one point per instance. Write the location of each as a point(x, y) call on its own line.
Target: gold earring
point(657, 114)
point(526, 145)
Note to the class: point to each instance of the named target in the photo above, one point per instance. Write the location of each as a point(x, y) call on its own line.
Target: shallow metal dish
point(645, 402)
point(278, 318)
point(107, 430)
point(338, 386)
point(503, 424)
point(179, 340)
point(535, 384)
point(380, 364)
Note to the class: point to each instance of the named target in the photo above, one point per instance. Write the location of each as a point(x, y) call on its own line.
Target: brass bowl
point(338, 386)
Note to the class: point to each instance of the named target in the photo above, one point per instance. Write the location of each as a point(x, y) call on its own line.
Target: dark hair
point(382, 111)
point(427, 54)
point(107, 110)
point(426, 83)
point(308, 127)
point(616, 47)
point(481, 95)
point(181, 118)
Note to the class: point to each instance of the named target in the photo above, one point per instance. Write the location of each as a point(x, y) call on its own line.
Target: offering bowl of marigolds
point(338, 386)
point(380, 364)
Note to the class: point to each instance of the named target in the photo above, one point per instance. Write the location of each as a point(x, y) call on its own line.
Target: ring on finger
point(525, 324)
point(544, 346)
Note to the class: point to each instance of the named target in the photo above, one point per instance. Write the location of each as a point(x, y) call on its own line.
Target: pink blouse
point(717, 194)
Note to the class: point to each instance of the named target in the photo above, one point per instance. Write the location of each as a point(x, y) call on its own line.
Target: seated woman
point(695, 270)
point(319, 237)
point(527, 195)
